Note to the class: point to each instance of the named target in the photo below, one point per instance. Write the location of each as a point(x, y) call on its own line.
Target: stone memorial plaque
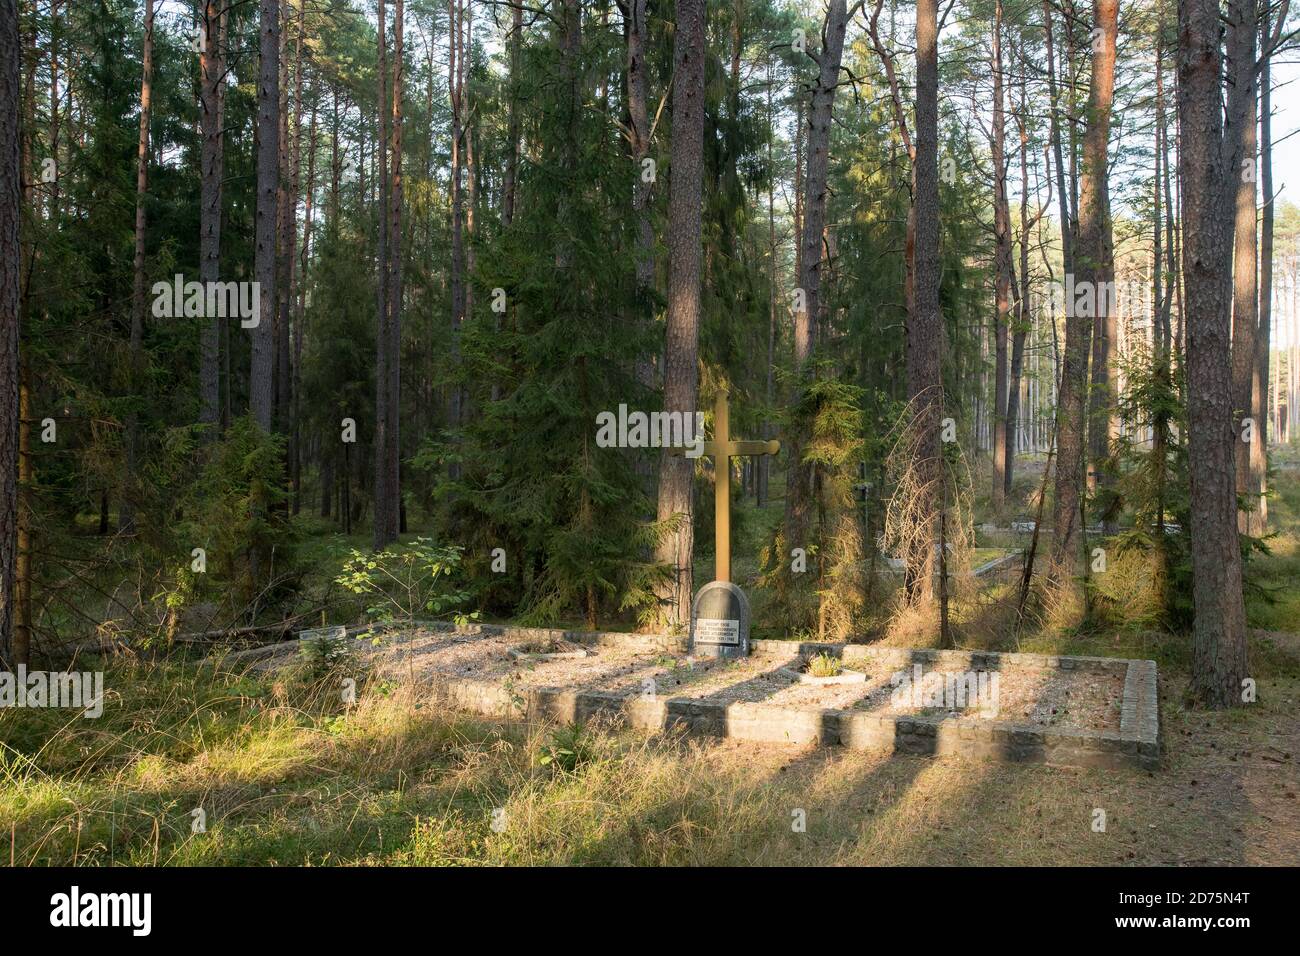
point(720, 621)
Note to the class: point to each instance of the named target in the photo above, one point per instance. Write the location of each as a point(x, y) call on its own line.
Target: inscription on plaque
point(712, 631)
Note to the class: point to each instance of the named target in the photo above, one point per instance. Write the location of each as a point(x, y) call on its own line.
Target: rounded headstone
point(720, 621)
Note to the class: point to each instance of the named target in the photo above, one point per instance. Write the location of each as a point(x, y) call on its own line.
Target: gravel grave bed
point(1085, 700)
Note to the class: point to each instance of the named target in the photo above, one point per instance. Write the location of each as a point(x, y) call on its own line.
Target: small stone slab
point(846, 677)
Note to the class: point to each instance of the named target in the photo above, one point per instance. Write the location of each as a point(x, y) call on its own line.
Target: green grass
point(825, 665)
point(983, 555)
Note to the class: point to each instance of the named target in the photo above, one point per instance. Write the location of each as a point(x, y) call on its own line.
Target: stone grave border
point(1137, 744)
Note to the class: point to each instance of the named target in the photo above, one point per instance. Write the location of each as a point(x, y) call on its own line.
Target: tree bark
point(1024, 317)
point(394, 384)
point(292, 322)
point(380, 531)
point(54, 106)
point(1209, 169)
point(764, 477)
point(1161, 272)
point(681, 351)
point(1263, 343)
point(1002, 268)
point(1091, 257)
point(126, 511)
point(26, 484)
point(1063, 197)
point(639, 136)
point(471, 167)
point(211, 162)
point(261, 396)
point(1098, 262)
point(300, 313)
point(1245, 303)
point(11, 177)
point(820, 115)
point(455, 411)
point(512, 123)
point(798, 187)
point(800, 477)
point(925, 332)
point(286, 228)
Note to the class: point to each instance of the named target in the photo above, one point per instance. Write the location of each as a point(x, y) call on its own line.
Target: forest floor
point(284, 773)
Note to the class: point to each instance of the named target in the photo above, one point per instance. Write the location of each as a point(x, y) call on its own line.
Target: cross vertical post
point(721, 488)
point(723, 449)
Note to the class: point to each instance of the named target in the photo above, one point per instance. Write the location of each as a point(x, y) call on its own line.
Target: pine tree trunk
point(301, 313)
point(394, 369)
point(925, 333)
point(1160, 249)
point(11, 176)
point(292, 344)
point(1091, 256)
point(455, 403)
point(471, 167)
point(569, 27)
point(1097, 263)
point(26, 485)
point(126, 512)
point(1245, 303)
point(639, 129)
point(820, 115)
point(681, 351)
point(764, 477)
point(798, 187)
point(800, 477)
point(54, 106)
point(211, 161)
point(1209, 171)
point(510, 185)
point(1002, 268)
point(1264, 343)
point(382, 491)
point(1063, 197)
point(261, 396)
point(286, 228)
point(1023, 316)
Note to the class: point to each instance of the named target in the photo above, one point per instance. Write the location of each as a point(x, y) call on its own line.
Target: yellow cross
point(723, 449)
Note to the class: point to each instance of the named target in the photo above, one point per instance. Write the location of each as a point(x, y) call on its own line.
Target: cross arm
point(733, 448)
point(751, 447)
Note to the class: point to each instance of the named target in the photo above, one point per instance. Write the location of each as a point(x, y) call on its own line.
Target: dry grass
point(287, 775)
